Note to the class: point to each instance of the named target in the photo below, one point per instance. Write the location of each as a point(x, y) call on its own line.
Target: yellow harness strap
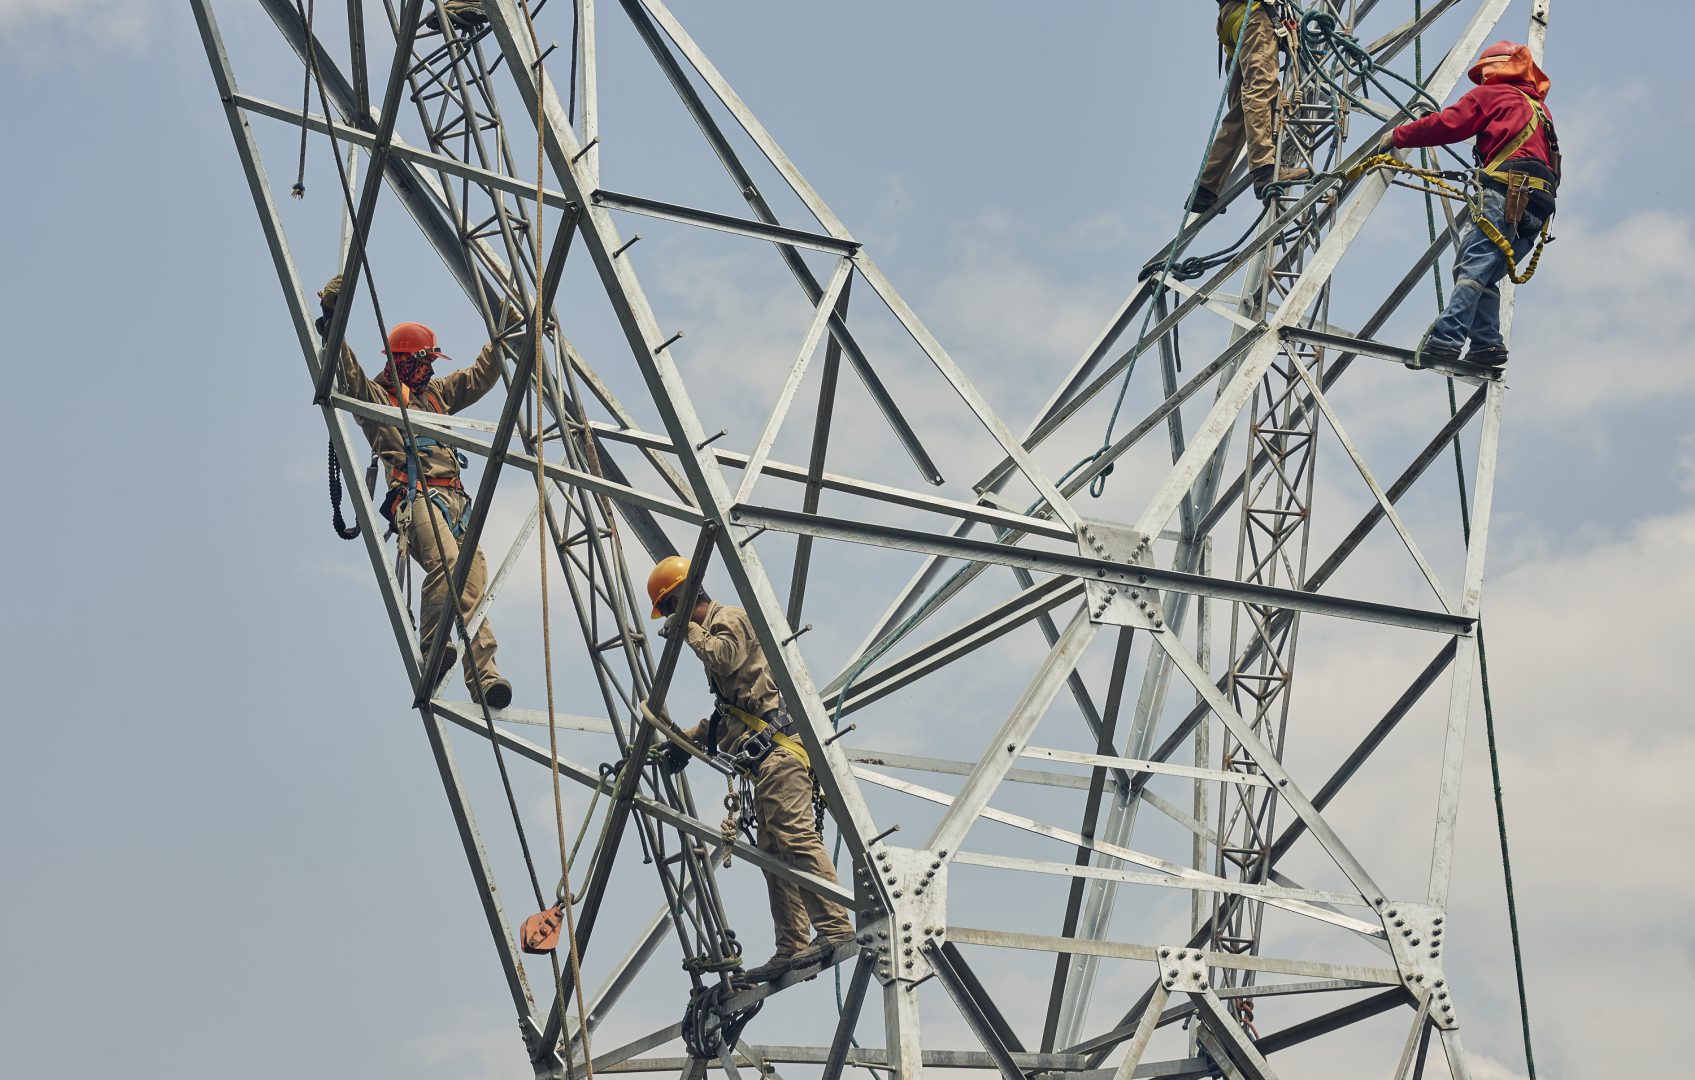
point(787, 742)
point(1513, 146)
point(1230, 27)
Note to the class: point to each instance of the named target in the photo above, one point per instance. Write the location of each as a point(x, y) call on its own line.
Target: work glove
point(672, 624)
point(673, 759)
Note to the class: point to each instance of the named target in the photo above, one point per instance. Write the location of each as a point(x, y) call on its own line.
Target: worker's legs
point(1478, 265)
point(430, 525)
point(788, 831)
point(1259, 87)
point(1252, 99)
point(1227, 143)
point(1486, 320)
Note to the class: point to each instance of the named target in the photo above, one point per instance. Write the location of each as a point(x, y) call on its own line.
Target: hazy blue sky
point(226, 850)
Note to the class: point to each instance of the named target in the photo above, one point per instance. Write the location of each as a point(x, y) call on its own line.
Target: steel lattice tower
point(1230, 550)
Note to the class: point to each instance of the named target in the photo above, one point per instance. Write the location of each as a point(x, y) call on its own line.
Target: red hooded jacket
point(1494, 114)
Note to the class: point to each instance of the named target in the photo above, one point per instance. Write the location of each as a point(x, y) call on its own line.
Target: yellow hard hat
point(666, 577)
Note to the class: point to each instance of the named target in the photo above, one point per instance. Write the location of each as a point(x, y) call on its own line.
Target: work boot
point(773, 968)
point(1269, 181)
point(819, 949)
point(497, 692)
point(1427, 354)
point(461, 12)
point(1492, 356)
point(449, 657)
point(1203, 201)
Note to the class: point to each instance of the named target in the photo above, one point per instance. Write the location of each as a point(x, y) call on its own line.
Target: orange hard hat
point(665, 579)
point(410, 338)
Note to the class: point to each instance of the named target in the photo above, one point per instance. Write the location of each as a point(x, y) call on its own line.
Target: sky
point(227, 849)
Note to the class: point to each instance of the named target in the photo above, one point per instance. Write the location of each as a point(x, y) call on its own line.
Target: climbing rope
point(543, 537)
point(1482, 652)
point(1196, 265)
point(315, 74)
point(1097, 486)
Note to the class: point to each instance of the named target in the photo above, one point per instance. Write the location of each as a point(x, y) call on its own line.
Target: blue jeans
point(1474, 309)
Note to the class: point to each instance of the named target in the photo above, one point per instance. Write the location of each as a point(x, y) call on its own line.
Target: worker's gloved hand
point(672, 624)
point(673, 759)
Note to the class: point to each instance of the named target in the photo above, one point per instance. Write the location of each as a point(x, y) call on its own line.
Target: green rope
point(1097, 486)
point(1482, 652)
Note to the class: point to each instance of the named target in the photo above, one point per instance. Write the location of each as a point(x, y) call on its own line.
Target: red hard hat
point(410, 338)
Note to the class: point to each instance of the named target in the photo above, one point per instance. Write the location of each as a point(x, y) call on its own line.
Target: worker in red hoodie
point(1518, 158)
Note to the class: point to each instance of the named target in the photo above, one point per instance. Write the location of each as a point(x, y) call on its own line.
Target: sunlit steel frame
point(1281, 328)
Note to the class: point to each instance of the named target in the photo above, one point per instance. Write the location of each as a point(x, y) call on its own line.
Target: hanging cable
point(1482, 652)
point(306, 9)
point(1097, 486)
point(543, 541)
point(408, 434)
point(342, 528)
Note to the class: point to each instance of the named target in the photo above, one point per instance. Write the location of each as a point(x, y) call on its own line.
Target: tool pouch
point(540, 932)
point(1518, 198)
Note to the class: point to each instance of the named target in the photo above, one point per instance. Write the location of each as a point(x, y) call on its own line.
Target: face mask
point(414, 373)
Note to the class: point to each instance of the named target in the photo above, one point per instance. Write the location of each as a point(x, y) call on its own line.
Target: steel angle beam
point(1284, 343)
point(708, 219)
point(1123, 574)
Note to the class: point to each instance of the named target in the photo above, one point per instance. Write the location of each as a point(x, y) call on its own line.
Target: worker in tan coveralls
point(736, 670)
point(1251, 117)
point(429, 517)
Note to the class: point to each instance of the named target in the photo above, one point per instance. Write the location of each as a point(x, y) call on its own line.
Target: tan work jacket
point(735, 669)
point(444, 394)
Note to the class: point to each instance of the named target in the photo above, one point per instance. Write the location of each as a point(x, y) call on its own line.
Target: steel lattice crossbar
point(442, 137)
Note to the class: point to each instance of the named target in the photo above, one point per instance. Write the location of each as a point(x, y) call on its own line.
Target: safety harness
point(768, 735)
point(404, 481)
point(1517, 185)
point(764, 735)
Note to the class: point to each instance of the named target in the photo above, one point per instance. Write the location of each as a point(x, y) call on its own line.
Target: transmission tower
point(1176, 756)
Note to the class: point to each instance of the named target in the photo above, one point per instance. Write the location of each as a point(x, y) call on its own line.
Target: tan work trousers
point(783, 794)
point(428, 525)
point(1250, 117)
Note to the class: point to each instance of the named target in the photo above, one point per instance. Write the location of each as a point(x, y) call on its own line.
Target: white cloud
point(1685, 469)
point(1587, 648)
point(1607, 322)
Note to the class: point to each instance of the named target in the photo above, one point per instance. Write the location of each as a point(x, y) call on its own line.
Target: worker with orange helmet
point(426, 505)
point(1518, 159)
point(751, 727)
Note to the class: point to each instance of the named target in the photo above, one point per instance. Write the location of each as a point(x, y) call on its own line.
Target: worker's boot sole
point(1492, 358)
point(497, 693)
point(449, 657)
point(773, 968)
point(819, 950)
point(1427, 354)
